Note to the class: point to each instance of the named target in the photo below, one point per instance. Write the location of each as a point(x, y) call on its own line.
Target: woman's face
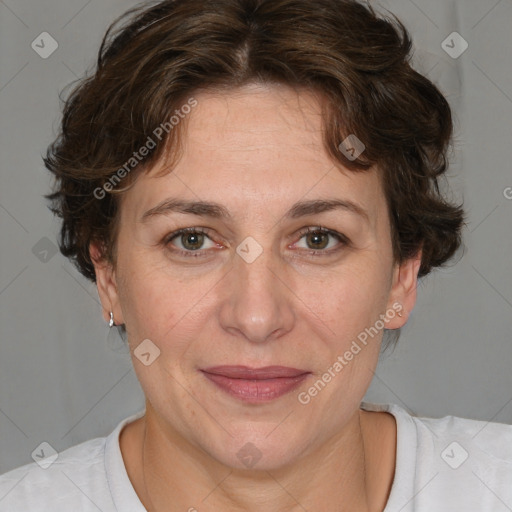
point(250, 287)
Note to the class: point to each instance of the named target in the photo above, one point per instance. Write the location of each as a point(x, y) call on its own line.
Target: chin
point(251, 451)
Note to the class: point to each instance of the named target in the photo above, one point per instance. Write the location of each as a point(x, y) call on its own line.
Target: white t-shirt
point(448, 464)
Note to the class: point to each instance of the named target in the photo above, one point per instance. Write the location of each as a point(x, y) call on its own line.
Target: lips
point(255, 385)
point(244, 372)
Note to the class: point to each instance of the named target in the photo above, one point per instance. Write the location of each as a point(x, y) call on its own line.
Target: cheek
point(350, 298)
point(161, 305)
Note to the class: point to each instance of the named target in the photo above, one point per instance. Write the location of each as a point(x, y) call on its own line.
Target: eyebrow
point(217, 211)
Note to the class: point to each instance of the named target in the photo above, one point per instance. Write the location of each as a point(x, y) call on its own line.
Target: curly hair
point(156, 56)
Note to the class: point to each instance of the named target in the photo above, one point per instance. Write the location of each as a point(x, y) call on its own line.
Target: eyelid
point(188, 254)
point(322, 229)
point(342, 239)
point(181, 231)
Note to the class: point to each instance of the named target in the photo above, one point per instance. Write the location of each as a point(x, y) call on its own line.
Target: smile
point(256, 385)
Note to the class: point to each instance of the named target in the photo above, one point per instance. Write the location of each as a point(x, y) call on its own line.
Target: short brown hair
point(155, 57)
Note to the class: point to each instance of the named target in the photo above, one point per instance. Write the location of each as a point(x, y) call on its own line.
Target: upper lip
point(246, 372)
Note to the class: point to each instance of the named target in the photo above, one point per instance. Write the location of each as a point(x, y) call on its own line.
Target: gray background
point(61, 379)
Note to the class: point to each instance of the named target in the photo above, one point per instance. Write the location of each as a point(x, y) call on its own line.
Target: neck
point(340, 475)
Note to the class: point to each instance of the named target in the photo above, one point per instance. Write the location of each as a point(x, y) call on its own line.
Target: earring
point(111, 321)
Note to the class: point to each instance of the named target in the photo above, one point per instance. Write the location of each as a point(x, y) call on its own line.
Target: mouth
point(255, 385)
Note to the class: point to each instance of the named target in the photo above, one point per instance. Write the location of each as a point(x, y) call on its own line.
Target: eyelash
point(188, 254)
point(342, 239)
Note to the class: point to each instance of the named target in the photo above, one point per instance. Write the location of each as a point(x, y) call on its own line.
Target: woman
point(253, 187)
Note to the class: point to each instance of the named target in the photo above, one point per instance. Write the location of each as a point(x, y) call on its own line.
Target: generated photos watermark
point(145, 149)
point(305, 397)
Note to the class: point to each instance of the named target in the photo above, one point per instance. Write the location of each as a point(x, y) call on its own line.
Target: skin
point(256, 150)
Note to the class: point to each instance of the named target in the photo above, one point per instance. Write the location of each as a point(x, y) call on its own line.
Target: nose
point(257, 302)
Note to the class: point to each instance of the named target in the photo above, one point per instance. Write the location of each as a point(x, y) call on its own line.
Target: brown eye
point(321, 240)
point(189, 240)
point(317, 240)
point(192, 241)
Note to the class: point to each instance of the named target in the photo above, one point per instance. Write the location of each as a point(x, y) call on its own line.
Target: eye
point(322, 240)
point(195, 242)
point(189, 240)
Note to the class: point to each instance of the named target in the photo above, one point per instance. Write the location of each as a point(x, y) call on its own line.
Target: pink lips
point(256, 384)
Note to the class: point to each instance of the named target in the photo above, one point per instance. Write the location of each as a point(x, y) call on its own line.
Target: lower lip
point(256, 391)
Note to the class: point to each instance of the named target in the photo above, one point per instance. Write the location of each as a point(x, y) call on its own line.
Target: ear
point(402, 297)
point(106, 284)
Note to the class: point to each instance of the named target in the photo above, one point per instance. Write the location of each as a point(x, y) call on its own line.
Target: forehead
point(266, 109)
point(258, 121)
point(254, 146)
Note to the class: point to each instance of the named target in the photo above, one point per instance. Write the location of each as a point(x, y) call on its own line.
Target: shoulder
point(491, 438)
point(450, 462)
point(470, 460)
point(64, 480)
point(482, 440)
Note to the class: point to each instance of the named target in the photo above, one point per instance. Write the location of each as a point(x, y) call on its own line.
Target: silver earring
point(111, 321)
